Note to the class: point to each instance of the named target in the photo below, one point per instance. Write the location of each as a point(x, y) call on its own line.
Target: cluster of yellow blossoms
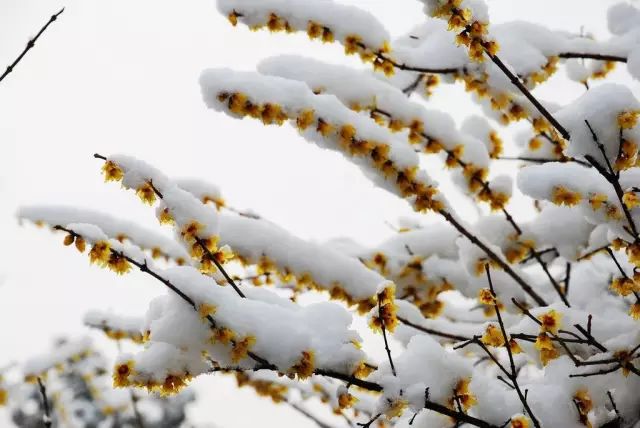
point(549, 326)
point(353, 43)
point(628, 151)
point(462, 396)
point(172, 383)
point(119, 334)
point(414, 283)
point(584, 404)
point(475, 175)
point(347, 139)
point(202, 249)
point(472, 33)
point(386, 317)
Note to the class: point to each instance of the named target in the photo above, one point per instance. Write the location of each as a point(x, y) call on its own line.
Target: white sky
point(121, 76)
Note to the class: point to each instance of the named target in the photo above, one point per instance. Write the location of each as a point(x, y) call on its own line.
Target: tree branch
point(30, 44)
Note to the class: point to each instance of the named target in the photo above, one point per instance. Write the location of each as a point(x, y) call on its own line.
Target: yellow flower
point(146, 193)
point(596, 200)
point(628, 119)
point(519, 422)
point(223, 335)
point(550, 321)
point(238, 103)
point(347, 134)
point(624, 286)
point(515, 347)
point(346, 400)
point(464, 394)
point(386, 317)
point(4, 397)
point(388, 294)
point(362, 370)
point(633, 252)
point(314, 30)
point(631, 199)
point(454, 156)
point(584, 404)
point(547, 355)
point(172, 385)
point(327, 35)
point(305, 367)
point(233, 18)
point(496, 144)
point(205, 310)
point(546, 348)
point(634, 311)
point(272, 113)
point(100, 253)
point(625, 361)
point(118, 263)
point(240, 348)
point(352, 44)
point(396, 408)
point(493, 336)
point(563, 196)
point(112, 172)
point(274, 23)
point(165, 217)
point(627, 156)
point(543, 341)
point(305, 119)
point(324, 128)
point(121, 374)
point(191, 230)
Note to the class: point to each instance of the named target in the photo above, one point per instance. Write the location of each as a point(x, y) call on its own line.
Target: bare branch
point(30, 44)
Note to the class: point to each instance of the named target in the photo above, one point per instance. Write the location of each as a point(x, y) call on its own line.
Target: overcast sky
point(120, 76)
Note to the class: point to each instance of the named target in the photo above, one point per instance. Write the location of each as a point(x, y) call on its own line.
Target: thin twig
point(612, 177)
point(507, 344)
point(46, 418)
point(308, 414)
point(432, 331)
point(30, 44)
point(516, 81)
point(599, 57)
point(384, 336)
point(493, 256)
point(553, 281)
